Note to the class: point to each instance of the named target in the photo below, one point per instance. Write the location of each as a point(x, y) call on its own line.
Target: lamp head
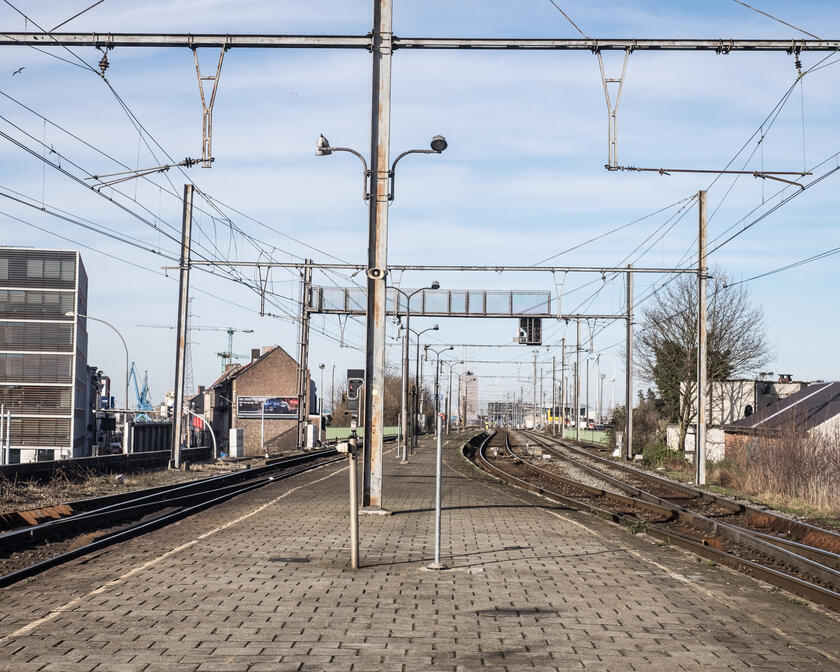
point(435, 328)
point(451, 347)
point(322, 147)
point(435, 284)
point(438, 144)
point(70, 313)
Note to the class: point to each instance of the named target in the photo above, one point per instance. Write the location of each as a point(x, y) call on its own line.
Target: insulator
point(103, 64)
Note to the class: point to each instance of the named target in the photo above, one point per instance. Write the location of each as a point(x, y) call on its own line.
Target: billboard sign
point(275, 407)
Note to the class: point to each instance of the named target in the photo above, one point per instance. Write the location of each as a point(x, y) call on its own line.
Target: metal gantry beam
point(274, 41)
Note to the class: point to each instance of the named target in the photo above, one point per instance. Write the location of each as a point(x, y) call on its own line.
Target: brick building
point(260, 398)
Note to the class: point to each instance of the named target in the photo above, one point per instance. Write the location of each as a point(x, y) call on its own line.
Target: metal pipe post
point(183, 304)
point(702, 271)
point(4, 458)
point(437, 393)
point(377, 252)
point(577, 383)
point(628, 434)
point(352, 446)
point(438, 482)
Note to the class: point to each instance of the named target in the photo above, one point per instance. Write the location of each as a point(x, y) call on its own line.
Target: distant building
point(44, 378)
point(727, 402)
point(235, 401)
point(469, 398)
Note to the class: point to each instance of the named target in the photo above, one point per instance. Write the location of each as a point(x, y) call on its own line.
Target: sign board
point(276, 408)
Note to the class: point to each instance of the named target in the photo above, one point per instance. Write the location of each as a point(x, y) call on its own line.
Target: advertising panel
point(275, 407)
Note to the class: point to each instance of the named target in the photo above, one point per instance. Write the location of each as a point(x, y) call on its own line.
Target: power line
point(789, 25)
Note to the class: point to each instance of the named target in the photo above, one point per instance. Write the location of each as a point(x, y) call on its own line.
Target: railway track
point(88, 525)
point(806, 570)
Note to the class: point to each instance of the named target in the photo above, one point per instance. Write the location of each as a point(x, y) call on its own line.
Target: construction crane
point(228, 355)
point(142, 395)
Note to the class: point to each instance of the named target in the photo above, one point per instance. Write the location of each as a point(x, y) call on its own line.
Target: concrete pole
point(183, 304)
point(262, 426)
point(702, 271)
point(628, 433)
point(380, 137)
point(588, 411)
point(577, 383)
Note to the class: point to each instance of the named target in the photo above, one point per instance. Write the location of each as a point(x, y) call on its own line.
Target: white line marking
point(29, 627)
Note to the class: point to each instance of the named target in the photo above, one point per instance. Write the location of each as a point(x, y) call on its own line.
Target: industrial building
point(261, 399)
point(44, 377)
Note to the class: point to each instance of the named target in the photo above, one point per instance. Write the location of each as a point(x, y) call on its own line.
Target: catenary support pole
point(377, 252)
point(404, 386)
point(183, 304)
point(628, 432)
point(702, 271)
point(534, 407)
point(554, 396)
point(4, 459)
point(303, 356)
point(437, 564)
point(562, 387)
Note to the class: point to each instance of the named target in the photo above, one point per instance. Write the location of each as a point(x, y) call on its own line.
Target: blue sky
point(523, 177)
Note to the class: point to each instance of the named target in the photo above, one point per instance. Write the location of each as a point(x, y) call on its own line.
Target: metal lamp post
point(404, 407)
point(73, 313)
point(451, 366)
point(381, 181)
point(437, 374)
point(418, 383)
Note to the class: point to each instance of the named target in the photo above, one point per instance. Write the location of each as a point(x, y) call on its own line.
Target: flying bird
point(20, 69)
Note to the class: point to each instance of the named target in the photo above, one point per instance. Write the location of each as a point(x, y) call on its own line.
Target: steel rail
point(814, 562)
point(810, 590)
point(111, 40)
point(217, 497)
point(802, 533)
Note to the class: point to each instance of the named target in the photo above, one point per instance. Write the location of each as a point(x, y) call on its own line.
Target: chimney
point(201, 389)
point(785, 377)
point(255, 354)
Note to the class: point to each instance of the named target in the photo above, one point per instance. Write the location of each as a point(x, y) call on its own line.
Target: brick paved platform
point(533, 586)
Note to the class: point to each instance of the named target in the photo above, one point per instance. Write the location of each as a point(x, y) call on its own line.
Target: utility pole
point(628, 433)
point(380, 144)
point(700, 439)
point(542, 399)
point(183, 307)
point(577, 383)
point(303, 355)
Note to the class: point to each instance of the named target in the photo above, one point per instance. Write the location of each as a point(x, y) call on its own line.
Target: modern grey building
point(43, 353)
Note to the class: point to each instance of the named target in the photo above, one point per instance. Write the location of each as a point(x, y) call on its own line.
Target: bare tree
point(666, 342)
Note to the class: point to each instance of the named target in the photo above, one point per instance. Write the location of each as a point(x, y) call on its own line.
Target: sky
point(522, 180)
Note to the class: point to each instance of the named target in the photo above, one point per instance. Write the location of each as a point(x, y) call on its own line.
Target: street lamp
point(451, 366)
point(408, 295)
point(418, 383)
point(323, 148)
point(74, 314)
point(437, 373)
